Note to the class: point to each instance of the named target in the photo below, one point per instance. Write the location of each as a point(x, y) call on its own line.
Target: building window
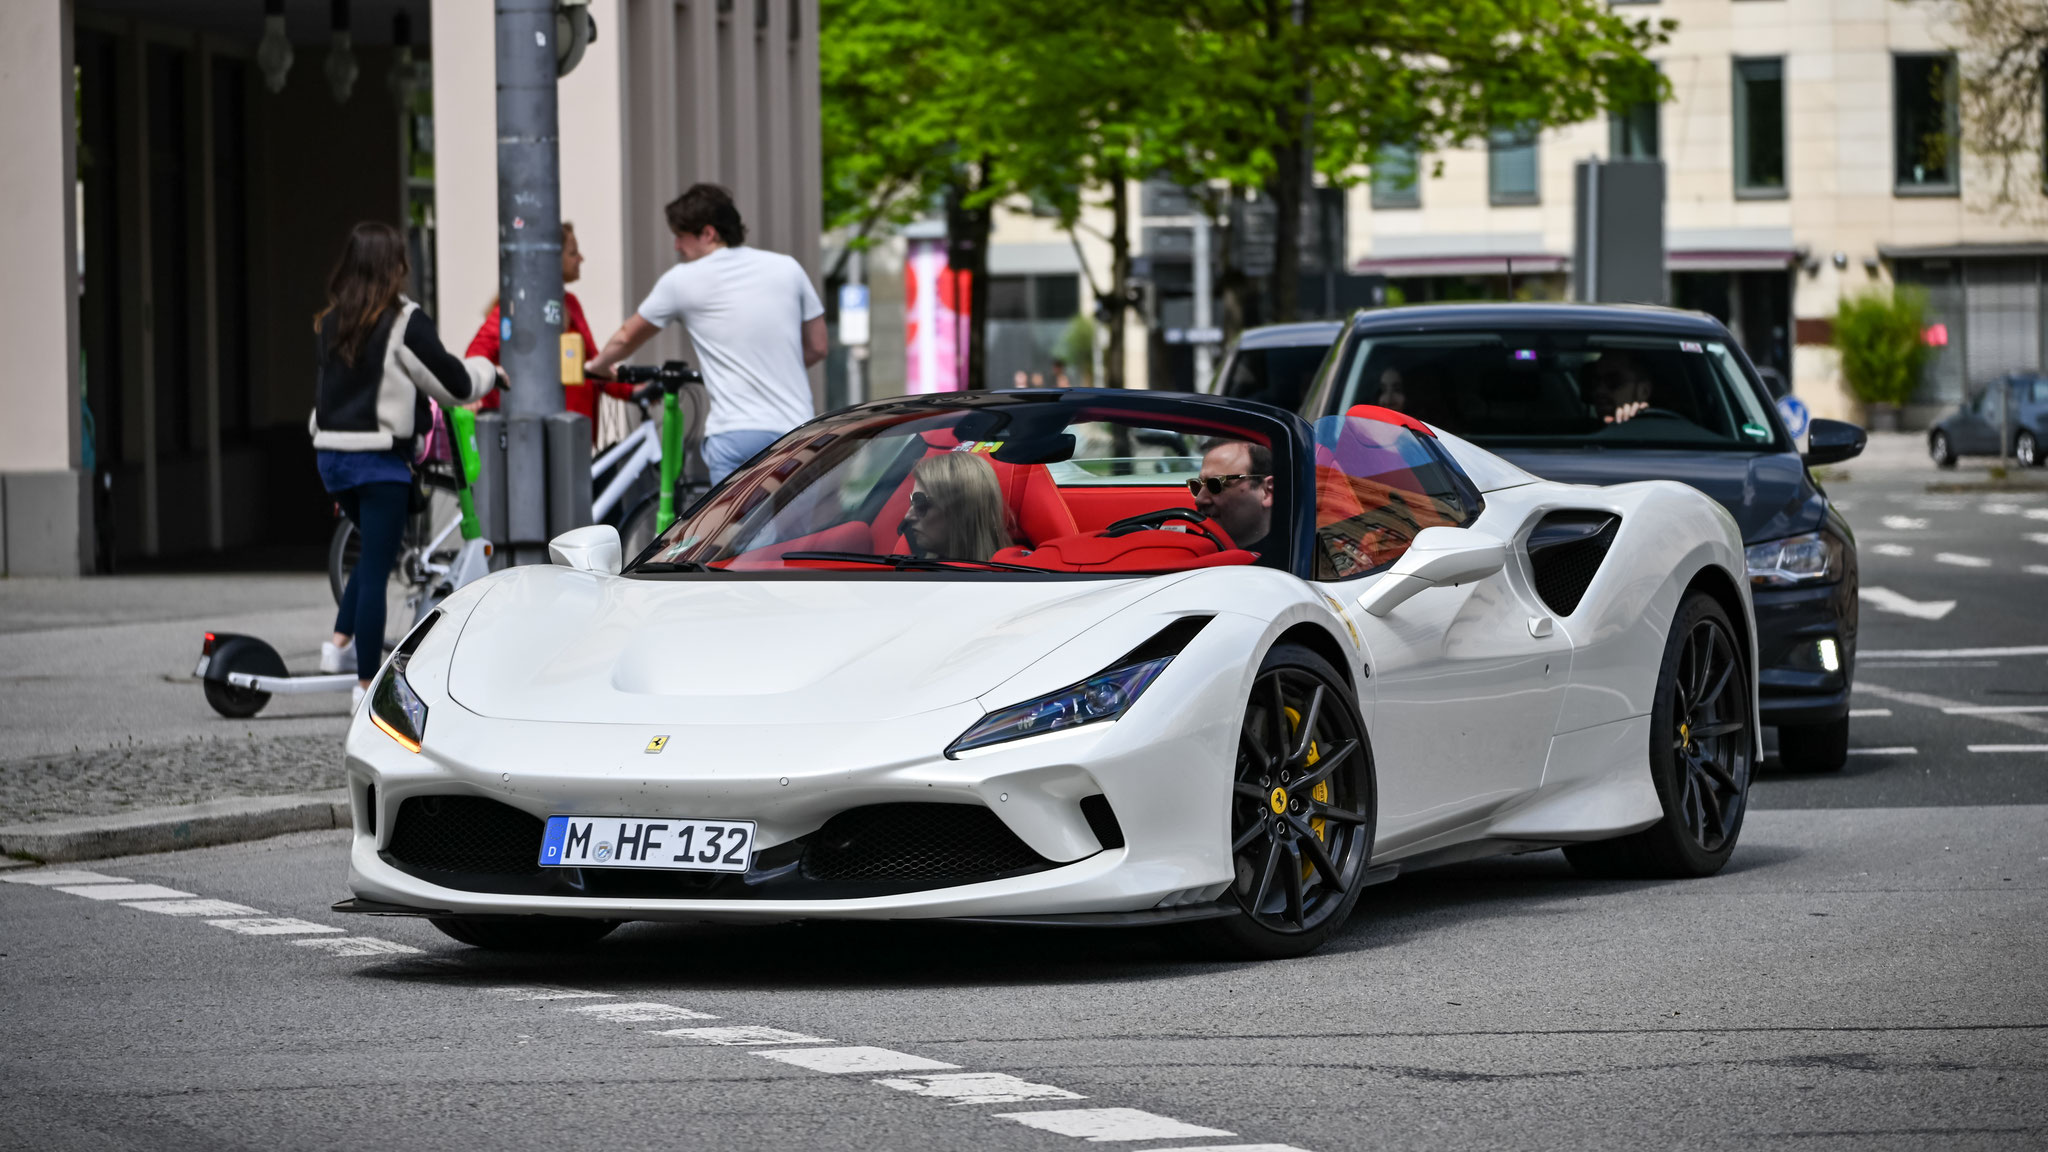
point(1632, 132)
point(1511, 168)
point(1924, 124)
point(1396, 179)
point(1760, 127)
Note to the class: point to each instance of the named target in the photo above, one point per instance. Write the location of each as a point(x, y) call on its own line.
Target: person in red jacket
point(575, 397)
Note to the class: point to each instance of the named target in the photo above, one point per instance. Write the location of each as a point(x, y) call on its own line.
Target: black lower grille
point(930, 843)
point(466, 834)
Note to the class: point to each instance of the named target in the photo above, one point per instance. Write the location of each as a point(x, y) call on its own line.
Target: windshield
point(981, 484)
point(1276, 376)
point(1563, 389)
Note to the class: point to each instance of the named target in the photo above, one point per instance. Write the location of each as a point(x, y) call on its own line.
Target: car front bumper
point(1794, 685)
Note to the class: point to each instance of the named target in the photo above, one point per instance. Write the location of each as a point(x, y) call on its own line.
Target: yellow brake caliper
point(1321, 792)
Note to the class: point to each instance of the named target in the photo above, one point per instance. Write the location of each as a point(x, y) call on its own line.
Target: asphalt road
point(1870, 972)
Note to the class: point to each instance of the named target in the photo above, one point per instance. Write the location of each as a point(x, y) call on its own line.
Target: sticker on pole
point(1792, 410)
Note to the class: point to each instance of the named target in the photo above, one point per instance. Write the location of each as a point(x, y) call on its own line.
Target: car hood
point(1769, 494)
point(554, 644)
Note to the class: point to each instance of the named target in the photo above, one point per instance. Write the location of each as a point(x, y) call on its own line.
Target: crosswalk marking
point(855, 1059)
point(979, 1088)
point(1101, 1125)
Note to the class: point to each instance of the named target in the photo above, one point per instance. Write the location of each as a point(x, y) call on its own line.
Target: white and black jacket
point(380, 401)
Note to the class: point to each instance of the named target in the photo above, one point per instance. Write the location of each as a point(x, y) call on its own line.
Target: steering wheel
point(1657, 413)
point(1194, 517)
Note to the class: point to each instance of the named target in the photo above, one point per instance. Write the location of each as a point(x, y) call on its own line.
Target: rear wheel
point(1942, 452)
point(1302, 811)
point(524, 933)
point(1702, 745)
point(1814, 747)
point(232, 702)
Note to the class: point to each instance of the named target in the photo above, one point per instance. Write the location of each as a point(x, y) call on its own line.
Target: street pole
point(529, 261)
point(856, 354)
point(1204, 351)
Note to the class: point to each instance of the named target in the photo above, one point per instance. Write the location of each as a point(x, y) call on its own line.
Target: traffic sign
point(1792, 410)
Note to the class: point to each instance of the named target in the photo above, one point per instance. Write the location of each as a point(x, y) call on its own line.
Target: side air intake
point(1565, 550)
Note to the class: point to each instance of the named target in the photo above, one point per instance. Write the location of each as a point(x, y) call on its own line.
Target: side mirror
point(594, 548)
point(1830, 441)
point(1439, 557)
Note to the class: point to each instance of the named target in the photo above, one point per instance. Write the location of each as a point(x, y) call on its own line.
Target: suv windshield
point(1539, 388)
point(1075, 483)
point(1278, 376)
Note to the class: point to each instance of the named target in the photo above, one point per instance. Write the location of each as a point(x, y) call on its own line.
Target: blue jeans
point(725, 451)
point(378, 511)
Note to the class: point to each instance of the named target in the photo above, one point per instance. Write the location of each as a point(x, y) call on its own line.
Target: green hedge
point(1881, 336)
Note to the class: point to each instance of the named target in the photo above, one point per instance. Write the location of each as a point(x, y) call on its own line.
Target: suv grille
point(932, 843)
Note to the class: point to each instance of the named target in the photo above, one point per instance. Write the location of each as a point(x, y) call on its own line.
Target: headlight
point(1809, 559)
point(1095, 699)
point(395, 708)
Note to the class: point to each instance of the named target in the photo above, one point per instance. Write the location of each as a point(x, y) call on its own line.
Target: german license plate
point(637, 842)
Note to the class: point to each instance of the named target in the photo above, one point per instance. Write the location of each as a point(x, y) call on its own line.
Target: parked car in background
point(1608, 394)
point(1274, 364)
point(1972, 429)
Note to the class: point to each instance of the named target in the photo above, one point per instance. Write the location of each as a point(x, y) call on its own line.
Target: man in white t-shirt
point(754, 317)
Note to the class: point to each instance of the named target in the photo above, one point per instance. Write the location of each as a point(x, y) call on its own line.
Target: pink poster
point(936, 329)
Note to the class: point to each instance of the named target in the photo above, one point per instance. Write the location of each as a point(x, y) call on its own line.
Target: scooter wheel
point(232, 702)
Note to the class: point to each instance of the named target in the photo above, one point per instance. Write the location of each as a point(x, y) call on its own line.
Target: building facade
point(178, 198)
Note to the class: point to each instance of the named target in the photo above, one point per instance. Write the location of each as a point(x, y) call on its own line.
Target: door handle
point(1540, 626)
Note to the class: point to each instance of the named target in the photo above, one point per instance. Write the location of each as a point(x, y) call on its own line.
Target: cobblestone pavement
point(98, 781)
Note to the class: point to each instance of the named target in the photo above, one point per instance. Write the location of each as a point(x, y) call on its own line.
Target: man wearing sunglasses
point(1235, 490)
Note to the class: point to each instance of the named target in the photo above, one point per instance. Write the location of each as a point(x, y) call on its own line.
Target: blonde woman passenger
point(956, 508)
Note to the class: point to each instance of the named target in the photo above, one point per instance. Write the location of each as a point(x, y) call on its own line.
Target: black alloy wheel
point(1302, 810)
point(1702, 754)
point(524, 933)
point(1939, 448)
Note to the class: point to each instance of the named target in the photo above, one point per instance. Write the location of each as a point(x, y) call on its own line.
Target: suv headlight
point(1098, 698)
point(1811, 558)
point(395, 708)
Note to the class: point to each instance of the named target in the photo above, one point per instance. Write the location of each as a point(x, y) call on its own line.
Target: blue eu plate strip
point(551, 846)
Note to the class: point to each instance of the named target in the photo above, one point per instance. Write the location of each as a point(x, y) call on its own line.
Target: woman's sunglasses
point(1216, 484)
point(920, 503)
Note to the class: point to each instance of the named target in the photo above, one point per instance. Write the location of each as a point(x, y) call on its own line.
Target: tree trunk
point(1119, 279)
point(967, 231)
point(1287, 193)
point(1233, 285)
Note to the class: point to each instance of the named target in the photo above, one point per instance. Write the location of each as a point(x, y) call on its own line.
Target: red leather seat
point(1037, 511)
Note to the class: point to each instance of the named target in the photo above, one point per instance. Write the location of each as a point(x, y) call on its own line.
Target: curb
point(201, 825)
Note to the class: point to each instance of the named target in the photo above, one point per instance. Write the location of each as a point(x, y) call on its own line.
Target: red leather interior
point(1146, 550)
point(1037, 512)
point(1096, 507)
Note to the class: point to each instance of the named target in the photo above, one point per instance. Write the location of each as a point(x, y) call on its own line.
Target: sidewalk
point(103, 715)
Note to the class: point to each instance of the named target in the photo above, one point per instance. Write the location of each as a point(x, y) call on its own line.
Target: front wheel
point(1941, 450)
point(524, 933)
point(1702, 745)
point(342, 549)
point(1303, 807)
point(2028, 450)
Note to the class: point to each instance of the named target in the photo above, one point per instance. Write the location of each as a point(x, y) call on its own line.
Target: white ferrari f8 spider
point(1083, 657)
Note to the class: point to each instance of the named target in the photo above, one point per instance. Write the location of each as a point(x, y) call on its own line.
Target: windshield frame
point(1287, 433)
point(1325, 395)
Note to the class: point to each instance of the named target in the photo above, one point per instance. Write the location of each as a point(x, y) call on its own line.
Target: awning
point(1464, 264)
point(1729, 260)
point(2020, 248)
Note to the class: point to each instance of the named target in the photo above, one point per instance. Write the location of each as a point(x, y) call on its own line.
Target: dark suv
point(1598, 394)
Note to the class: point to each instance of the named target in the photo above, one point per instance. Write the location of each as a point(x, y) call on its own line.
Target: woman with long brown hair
point(378, 361)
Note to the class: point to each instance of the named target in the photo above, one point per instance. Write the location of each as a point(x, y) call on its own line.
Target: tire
point(1943, 452)
point(342, 548)
point(636, 531)
point(1814, 747)
point(232, 702)
point(2028, 450)
point(401, 596)
point(524, 933)
point(1702, 752)
point(1299, 867)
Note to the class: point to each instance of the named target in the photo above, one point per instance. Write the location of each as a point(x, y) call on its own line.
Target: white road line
point(1862, 664)
point(51, 879)
point(2037, 513)
point(1999, 509)
point(740, 1035)
point(857, 1059)
point(543, 992)
point(1230, 1148)
point(2038, 537)
point(640, 1012)
point(1860, 712)
point(1904, 523)
point(194, 907)
point(1901, 750)
point(1101, 1125)
point(2036, 569)
point(1960, 560)
point(1993, 709)
point(358, 946)
point(122, 891)
point(1892, 549)
point(979, 1088)
point(1951, 653)
point(2008, 747)
point(1886, 600)
point(272, 926)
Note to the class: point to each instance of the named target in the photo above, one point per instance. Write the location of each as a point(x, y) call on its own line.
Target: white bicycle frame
point(636, 451)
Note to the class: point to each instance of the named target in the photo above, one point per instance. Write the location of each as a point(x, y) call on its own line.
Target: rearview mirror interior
point(1831, 441)
point(1438, 557)
point(594, 548)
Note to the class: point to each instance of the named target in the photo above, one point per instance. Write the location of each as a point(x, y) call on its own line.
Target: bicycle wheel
point(402, 588)
point(342, 549)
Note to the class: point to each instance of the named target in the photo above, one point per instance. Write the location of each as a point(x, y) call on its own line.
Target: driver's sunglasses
point(1216, 484)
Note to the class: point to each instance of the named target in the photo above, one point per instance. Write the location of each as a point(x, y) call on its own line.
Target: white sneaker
point(334, 660)
point(355, 699)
